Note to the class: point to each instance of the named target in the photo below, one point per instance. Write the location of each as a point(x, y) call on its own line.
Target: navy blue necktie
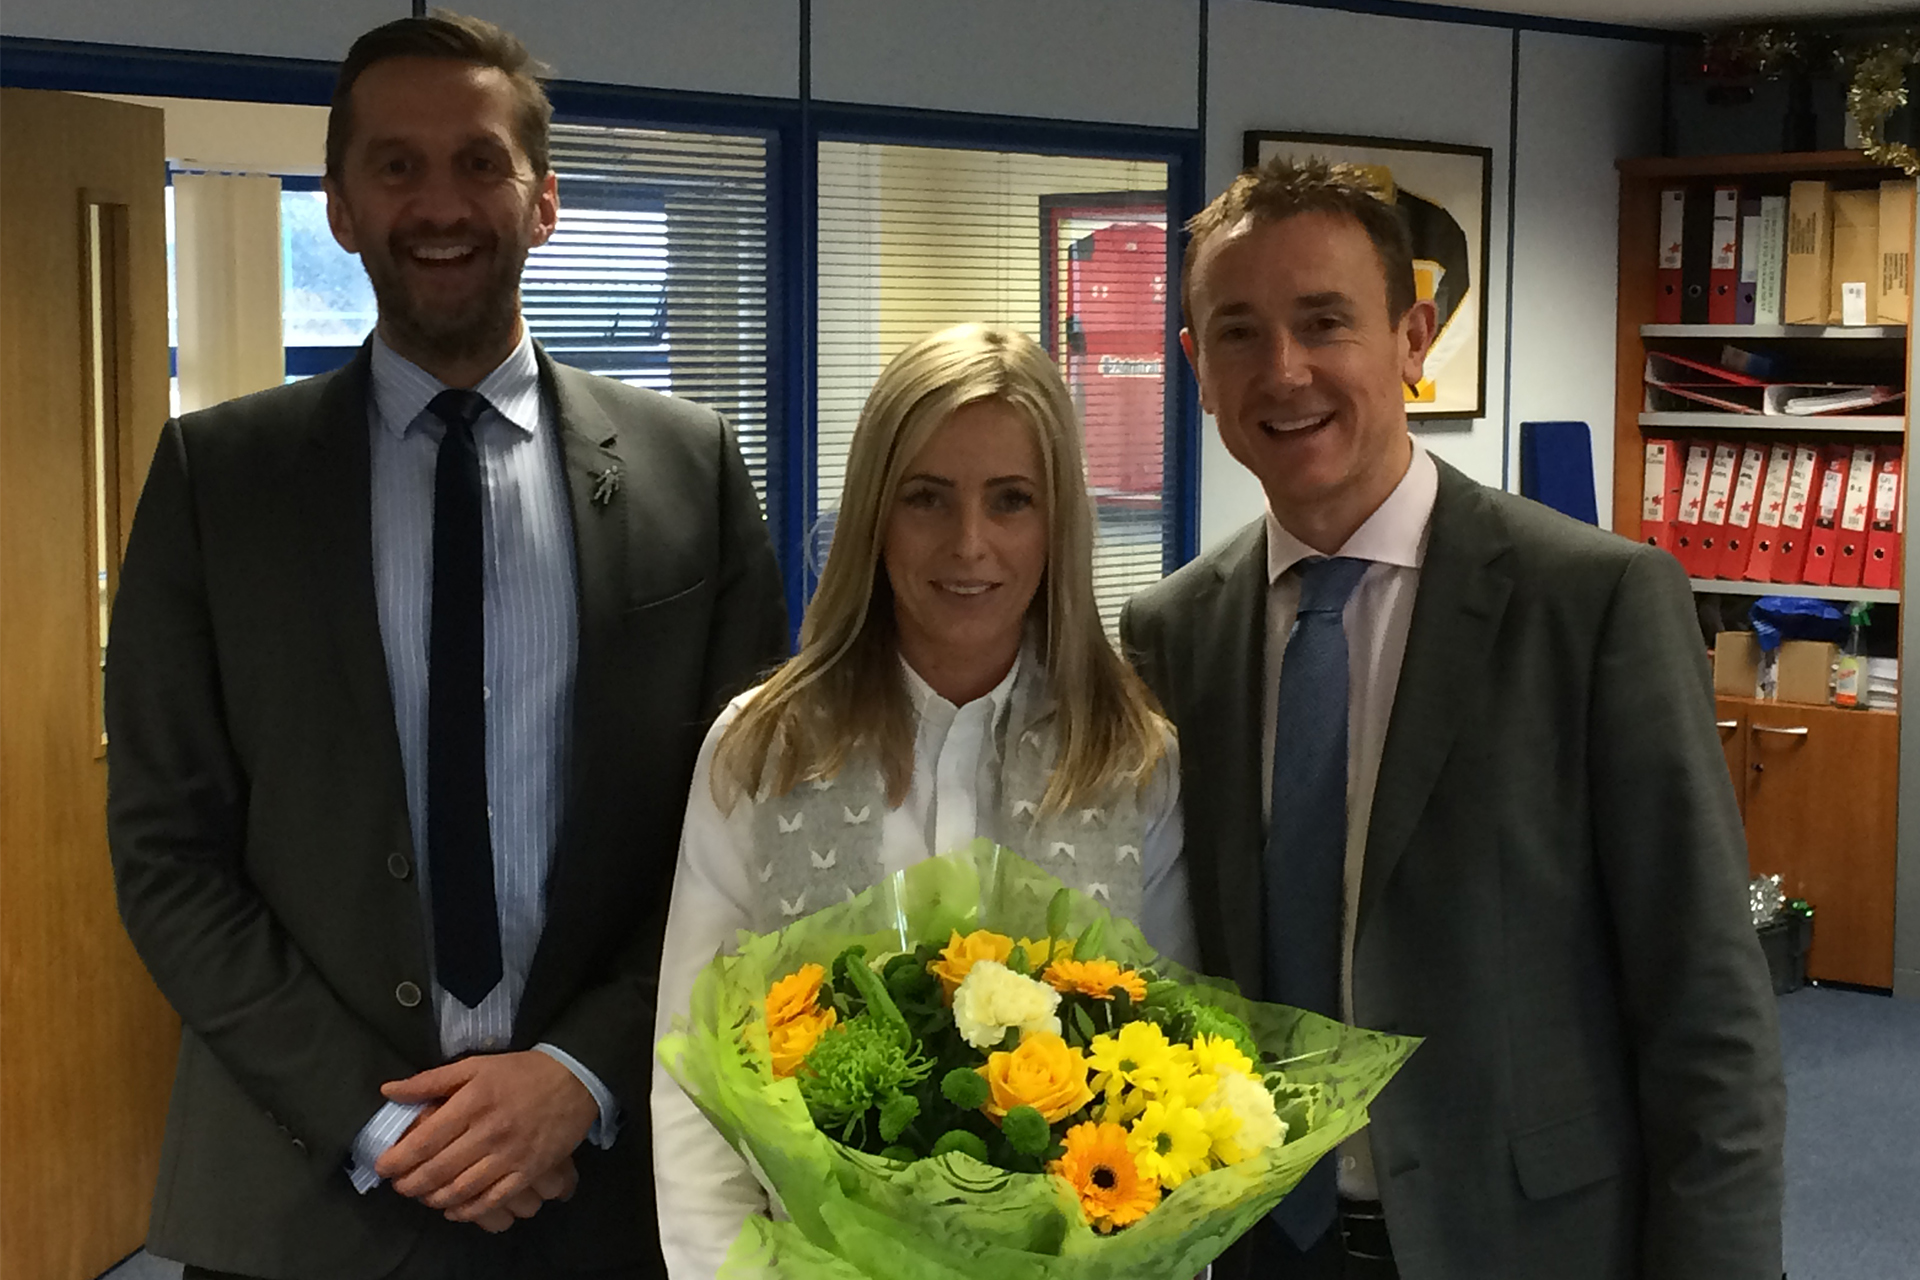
point(1306, 855)
point(466, 920)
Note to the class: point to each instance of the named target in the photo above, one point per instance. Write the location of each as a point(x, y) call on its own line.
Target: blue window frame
point(791, 134)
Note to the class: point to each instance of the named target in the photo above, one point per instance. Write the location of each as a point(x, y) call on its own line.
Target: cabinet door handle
point(1797, 731)
point(1726, 724)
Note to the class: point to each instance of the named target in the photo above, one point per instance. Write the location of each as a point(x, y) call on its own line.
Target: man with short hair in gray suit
point(1450, 771)
point(408, 670)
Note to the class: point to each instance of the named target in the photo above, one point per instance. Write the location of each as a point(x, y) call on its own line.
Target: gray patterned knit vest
point(819, 844)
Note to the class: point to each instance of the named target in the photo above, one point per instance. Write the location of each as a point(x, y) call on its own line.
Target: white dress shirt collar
point(402, 389)
point(929, 704)
point(1395, 534)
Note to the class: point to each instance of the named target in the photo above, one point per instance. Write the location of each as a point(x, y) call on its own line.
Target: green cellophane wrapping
point(857, 1216)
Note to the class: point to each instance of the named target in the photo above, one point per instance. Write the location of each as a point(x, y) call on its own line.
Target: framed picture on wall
point(1442, 193)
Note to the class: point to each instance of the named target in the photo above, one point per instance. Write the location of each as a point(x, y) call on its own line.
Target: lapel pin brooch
point(606, 484)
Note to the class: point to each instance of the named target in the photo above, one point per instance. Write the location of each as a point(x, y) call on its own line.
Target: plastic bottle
point(1850, 672)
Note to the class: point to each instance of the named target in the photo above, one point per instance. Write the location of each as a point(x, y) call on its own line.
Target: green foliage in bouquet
point(868, 1108)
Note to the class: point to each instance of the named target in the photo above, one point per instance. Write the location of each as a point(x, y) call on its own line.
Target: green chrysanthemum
point(855, 1067)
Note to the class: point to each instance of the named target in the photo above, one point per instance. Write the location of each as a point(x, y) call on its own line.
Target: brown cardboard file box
point(1856, 253)
point(1736, 664)
point(1806, 671)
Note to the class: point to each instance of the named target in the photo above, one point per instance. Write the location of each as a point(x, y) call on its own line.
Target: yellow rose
point(795, 996)
point(1043, 1073)
point(793, 1040)
point(963, 953)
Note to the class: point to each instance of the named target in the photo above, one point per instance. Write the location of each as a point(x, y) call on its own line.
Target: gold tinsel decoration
point(1876, 71)
point(1879, 89)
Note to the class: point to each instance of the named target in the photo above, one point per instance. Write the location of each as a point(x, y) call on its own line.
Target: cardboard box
point(1896, 252)
point(1856, 254)
point(1806, 671)
point(1809, 255)
point(1736, 664)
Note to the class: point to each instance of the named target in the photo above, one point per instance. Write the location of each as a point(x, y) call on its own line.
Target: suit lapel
point(337, 487)
point(1445, 675)
point(1223, 745)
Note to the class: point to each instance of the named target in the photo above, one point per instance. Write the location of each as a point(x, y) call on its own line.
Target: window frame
point(793, 130)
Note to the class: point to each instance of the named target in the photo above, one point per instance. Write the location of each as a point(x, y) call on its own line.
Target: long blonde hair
point(842, 694)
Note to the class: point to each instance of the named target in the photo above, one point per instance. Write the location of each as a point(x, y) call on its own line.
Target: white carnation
point(1249, 1103)
point(992, 998)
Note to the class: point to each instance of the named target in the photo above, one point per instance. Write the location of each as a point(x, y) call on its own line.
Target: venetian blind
point(658, 273)
point(1070, 249)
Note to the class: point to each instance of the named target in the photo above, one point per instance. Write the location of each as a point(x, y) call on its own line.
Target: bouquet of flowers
point(972, 1071)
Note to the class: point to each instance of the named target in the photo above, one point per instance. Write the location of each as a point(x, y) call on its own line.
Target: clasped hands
point(496, 1138)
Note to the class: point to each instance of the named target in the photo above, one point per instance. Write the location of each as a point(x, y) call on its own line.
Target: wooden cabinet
point(1817, 791)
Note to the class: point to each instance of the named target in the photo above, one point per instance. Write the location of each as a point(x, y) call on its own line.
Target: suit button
point(407, 994)
point(398, 866)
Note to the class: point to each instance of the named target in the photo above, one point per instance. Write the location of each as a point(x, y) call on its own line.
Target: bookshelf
point(1876, 424)
point(1818, 786)
point(1729, 587)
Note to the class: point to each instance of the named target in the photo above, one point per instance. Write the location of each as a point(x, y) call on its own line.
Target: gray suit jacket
point(258, 821)
point(1552, 895)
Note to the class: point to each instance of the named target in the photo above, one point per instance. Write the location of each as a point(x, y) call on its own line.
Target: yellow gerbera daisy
point(1096, 978)
point(1170, 1142)
point(1103, 1173)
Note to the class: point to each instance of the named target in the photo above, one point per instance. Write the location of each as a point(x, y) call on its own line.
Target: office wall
point(1605, 97)
point(1328, 71)
point(1117, 61)
point(1575, 105)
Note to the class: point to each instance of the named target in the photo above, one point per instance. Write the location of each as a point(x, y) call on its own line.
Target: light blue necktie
point(1306, 854)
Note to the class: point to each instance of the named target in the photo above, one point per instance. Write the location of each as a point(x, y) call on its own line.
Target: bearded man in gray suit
point(1451, 771)
point(408, 670)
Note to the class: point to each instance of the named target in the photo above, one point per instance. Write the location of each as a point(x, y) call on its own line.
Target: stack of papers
point(1883, 683)
point(1678, 383)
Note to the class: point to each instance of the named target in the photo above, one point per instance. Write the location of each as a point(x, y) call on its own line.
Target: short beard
point(476, 331)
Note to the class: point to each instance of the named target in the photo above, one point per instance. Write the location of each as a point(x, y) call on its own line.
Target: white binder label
point(1799, 488)
point(1720, 484)
point(1773, 494)
point(1859, 490)
point(1673, 220)
point(1653, 486)
point(1746, 486)
point(1693, 485)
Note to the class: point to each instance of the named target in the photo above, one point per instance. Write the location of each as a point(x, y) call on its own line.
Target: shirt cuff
point(607, 1127)
point(372, 1142)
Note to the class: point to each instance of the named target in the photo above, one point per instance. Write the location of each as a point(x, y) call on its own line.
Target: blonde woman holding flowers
point(953, 682)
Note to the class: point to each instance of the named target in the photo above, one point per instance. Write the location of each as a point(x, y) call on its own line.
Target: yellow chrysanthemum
point(962, 954)
point(1104, 1175)
point(1096, 978)
point(793, 1040)
point(1170, 1142)
point(1138, 1055)
point(1219, 1056)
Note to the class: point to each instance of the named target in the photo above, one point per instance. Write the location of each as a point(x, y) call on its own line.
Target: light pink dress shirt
point(1377, 615)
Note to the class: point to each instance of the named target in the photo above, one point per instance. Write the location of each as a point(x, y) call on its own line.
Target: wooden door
point(1821, 794)
point(1732, 722)
point(86, 1042)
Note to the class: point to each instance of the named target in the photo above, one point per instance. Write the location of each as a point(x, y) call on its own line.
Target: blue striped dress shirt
point(531, 626)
